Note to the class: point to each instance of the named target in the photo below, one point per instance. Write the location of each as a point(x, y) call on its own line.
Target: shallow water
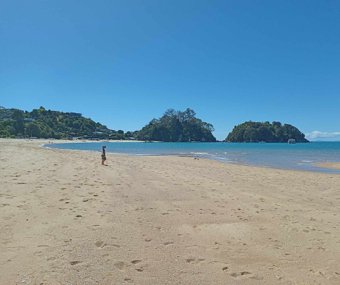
point(277, 155)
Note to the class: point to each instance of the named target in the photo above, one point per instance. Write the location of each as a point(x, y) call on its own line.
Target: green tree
point(18, 117)
point(33, 130)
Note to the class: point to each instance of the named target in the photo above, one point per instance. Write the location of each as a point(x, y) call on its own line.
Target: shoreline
point(329, 165)
point(67, 219)
point(323, 167)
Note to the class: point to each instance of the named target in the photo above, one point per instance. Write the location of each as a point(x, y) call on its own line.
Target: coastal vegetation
point(177, 126)
point(42, 123)
point(173, 126)
point(265, 132)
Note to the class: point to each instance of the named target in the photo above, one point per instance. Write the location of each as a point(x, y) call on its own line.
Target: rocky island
point(274, 132)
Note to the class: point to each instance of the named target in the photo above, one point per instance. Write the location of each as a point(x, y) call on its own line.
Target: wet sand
point(66, 219)
point(331, 165)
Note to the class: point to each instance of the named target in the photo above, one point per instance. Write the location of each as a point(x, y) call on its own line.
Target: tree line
point(172, 126)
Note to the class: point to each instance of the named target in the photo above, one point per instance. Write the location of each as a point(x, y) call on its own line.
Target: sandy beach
point(66, 219)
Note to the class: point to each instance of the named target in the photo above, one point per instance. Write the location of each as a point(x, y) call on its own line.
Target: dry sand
point(65, 219)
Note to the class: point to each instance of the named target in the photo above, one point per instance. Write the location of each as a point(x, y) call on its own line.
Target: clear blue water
point(286, 156)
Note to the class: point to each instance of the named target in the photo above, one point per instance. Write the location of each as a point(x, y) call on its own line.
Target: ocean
point(302, 156)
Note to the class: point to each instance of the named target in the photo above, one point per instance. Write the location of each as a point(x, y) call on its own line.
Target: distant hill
point(173, 126)
point(265, 132)
point(177, 126)
point(42, 123)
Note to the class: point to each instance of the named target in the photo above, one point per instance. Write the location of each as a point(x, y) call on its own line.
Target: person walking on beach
point(103, 155)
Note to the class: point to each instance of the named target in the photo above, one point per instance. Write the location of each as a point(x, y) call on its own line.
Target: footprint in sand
point(75, 262)
point(120, 265)
point(238, 274)
point(100, 244)
point(245, 274)
point(194, 260)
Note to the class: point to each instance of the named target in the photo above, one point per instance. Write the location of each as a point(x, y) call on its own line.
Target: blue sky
point(125, 62)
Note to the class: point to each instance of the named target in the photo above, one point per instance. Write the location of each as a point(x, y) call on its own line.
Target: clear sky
point(125, 62)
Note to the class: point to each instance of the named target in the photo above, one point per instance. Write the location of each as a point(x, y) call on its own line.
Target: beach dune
point(66, 219)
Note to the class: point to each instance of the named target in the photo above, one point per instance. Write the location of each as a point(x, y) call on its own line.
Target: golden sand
point(66, 219)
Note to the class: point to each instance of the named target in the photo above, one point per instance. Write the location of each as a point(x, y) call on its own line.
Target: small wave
point(221, 158)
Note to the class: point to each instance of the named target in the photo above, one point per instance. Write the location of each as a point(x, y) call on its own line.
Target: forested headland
point(173, 126)
point(177, 126)
point(265, 132)
point(42, 123)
